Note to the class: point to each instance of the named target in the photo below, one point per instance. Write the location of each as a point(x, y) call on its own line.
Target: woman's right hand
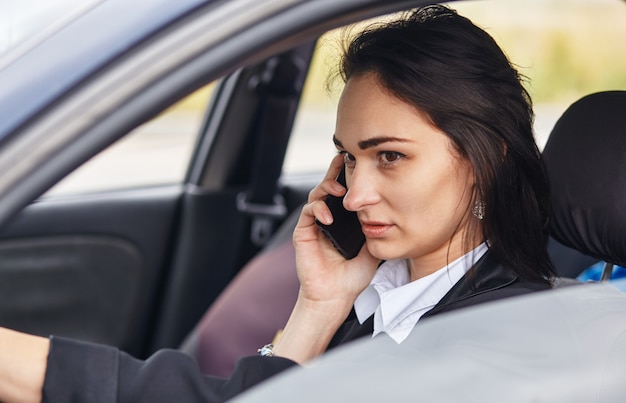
point(325, 275)
point(329, 284)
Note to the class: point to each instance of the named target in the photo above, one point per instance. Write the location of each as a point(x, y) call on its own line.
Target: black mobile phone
point(345, 231)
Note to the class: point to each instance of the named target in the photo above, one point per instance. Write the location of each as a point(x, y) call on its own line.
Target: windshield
point(24, 22)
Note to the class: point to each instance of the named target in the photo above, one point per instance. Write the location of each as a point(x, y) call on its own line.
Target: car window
point(165, 143)
point(565, 48)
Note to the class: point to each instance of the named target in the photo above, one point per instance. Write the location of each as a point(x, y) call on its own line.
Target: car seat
point(586, 162)
point(252, 309)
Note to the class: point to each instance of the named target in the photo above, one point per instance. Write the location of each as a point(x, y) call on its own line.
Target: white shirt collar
point(398, 303)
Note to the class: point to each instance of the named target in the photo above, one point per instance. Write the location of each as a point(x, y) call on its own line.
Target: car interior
point(583, 150)
point(140, 266)
point(207, 265)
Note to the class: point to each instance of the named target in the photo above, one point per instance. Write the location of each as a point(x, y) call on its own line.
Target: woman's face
point(408, 185)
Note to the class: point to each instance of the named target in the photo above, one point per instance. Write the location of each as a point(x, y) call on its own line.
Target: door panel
point(86, 286)
point(88, 266)
point(210, 247)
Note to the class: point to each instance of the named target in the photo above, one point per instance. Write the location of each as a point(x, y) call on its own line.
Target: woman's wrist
point(310, 328)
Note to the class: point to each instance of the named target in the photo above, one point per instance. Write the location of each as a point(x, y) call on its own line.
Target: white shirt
point(398, 303)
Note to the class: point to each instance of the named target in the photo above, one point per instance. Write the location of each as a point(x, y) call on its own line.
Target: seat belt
point(279, 85)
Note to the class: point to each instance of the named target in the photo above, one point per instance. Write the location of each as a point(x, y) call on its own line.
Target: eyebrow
point(373, 142)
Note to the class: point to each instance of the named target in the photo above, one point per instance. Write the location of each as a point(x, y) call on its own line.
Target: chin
point(382, 250)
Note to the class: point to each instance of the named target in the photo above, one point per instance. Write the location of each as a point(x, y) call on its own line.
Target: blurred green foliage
point(566, 48)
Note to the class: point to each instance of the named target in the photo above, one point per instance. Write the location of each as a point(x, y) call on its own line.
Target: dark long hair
point(453, 71)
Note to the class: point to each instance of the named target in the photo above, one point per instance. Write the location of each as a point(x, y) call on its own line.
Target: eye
point(348, 158)
point(389, 157)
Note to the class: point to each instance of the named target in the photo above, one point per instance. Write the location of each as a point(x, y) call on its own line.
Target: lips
point(375, 229)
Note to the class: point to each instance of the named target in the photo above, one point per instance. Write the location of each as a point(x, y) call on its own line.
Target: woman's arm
point(329, 284)
point(22, 366)
point(92, 373)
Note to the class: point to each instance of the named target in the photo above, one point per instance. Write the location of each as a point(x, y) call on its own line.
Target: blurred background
point(541, 37)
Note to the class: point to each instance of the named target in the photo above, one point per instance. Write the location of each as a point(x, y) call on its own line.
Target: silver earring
point(479, 209)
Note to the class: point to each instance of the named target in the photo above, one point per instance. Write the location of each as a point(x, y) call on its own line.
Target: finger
point(329, 184)
point(317, 209)
point(325, 188)
point(335, 167)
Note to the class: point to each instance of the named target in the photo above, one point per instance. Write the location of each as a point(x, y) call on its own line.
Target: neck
point(422, 266)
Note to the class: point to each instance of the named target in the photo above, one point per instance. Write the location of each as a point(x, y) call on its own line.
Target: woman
point(435, 132)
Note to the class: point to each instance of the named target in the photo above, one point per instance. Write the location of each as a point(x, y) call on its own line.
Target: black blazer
point(83, 372)
point(488, 280)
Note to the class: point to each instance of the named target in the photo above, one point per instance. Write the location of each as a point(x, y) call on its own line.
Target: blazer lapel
point(487, 275)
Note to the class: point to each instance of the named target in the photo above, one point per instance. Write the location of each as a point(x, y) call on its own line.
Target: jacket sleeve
point(85, 372)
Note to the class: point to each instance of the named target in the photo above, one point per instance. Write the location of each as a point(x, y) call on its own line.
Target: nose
point(362, 190)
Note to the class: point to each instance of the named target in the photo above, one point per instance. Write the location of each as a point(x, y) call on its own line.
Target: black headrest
point(586, 161)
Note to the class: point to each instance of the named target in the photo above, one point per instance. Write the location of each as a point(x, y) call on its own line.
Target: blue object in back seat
point(593, 273)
